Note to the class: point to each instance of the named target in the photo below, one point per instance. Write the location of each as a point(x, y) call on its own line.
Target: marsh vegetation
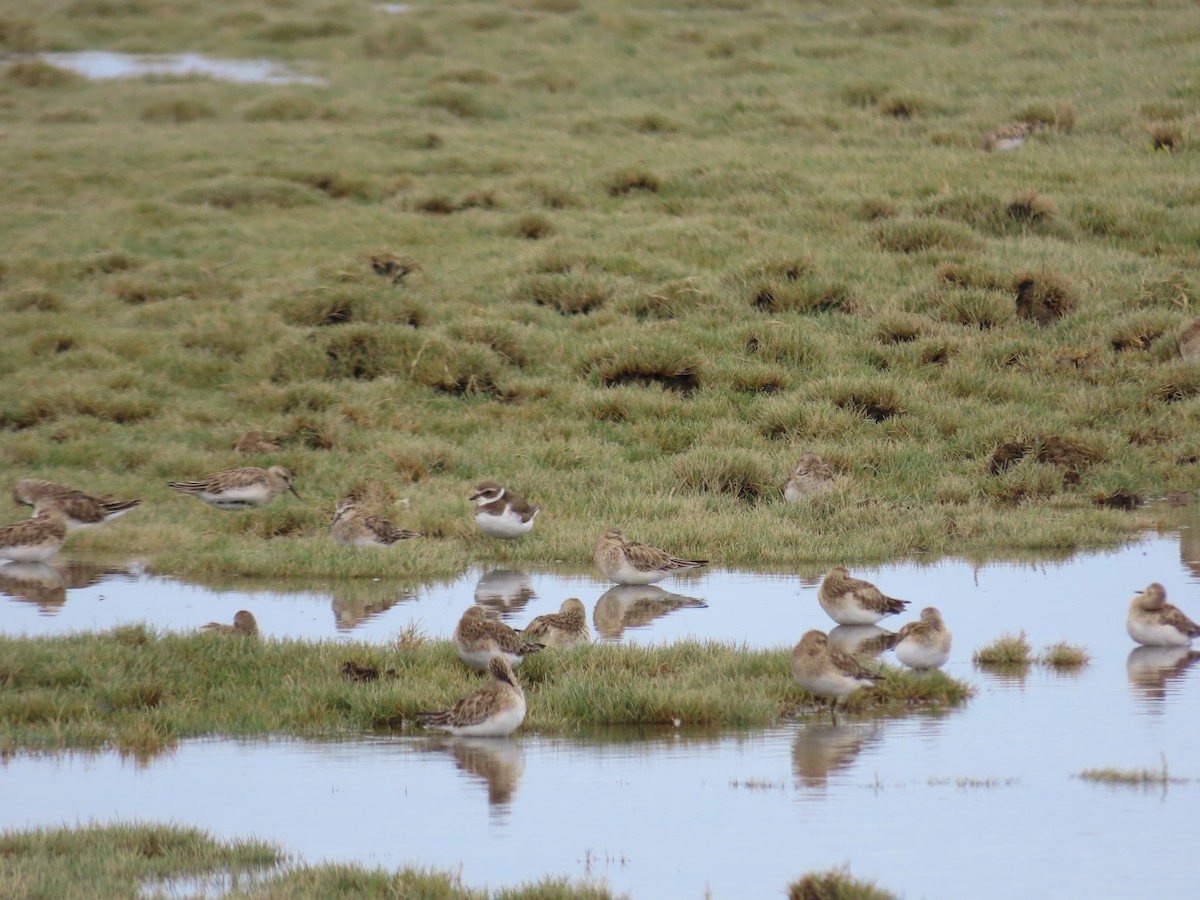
point(142, 692)
point(635, 304)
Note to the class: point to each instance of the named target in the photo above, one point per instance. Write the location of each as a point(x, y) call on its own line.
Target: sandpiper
point(79, 509)
point(1156, 623)
point(500, 513)
point(354, 525)
point(811, 476)
point(239, 488)
point(827, 671)
point(477, 639)
point(924, 644)
point(565, 628)
point(631, 562)
point(494, 710)
point(852, 601)
point(243, 624)
point(36, 539)
point(1009, 136)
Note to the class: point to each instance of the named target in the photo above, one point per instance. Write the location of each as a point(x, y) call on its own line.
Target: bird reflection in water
point(822, 749)
point(498, 762)
point(46, 584)
point(1156, 672)
point(504, 590)
point(635, 606)
point(355, 603)
point(862, 641)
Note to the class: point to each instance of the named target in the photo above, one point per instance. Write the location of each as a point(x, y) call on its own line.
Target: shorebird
point(565, 628)
point(243, 624)
point(852, 601)
point(1009, 136)
point(478, 639)
point(239, 488)
point(811, 476)
point(354, 525)
point(630, 562)
point(494, 710)
point(79, 509)
point(36, 539)
point(827, 671)
point(1156, 623)
point(924, 644)
point(500, 513)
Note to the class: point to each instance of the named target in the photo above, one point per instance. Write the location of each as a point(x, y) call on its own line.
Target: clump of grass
point(179, 110)
point(1028, 207)
point(876, 401)
point(806, 294)
point(836, 884)
point(1043, 297)
point(1135, 335)
point(919, 235)
point(1166, 136)
point(1064, 656)
point(1050, 449)
point(671, 366)
point(1059, 116)
point(1121, 498)
point(626, 181)
point(899, 329)
point(874, 209)
point(397, 41)
point(18, 35)
point(668, 301)
point(569, 294)
point(120, 859)
point(532, 226)
point(34, 73)
point(966, 276)
point(903, 106)
point(1006, 652)
point(741, 474)
point(283, 108)
point(238, 193)
point(1132, 777)
point(437, 205)
point(34, 299)
point(458, 102)
point(1180, 381)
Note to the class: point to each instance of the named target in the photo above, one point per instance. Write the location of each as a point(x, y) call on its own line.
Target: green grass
point(1064, 656)
point(636, 305)
point(131, 859)
point(836, 884)
point(1008, 651)
point(141, 693)
point(1133, 777)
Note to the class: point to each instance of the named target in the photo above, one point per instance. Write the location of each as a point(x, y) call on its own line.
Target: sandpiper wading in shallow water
point(494, 710)
point(852, 601)
point(827, 671)
point(630, 562)
point(1156, 623)
point(924, 644)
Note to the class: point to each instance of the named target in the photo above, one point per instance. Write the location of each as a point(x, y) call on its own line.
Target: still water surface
point(979, 802)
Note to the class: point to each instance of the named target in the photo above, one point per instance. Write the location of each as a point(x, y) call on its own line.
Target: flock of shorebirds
point(497, 708)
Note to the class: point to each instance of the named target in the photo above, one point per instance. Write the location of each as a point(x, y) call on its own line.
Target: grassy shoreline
point(141, 692)
point(503, 244)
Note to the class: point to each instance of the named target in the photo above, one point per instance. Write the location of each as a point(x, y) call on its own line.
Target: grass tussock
point(136, 859)
point(1008, 651)
point(1043, 297)
point(98, 690)
point(920, 235)
point(1064, 656)
point(836, 884)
